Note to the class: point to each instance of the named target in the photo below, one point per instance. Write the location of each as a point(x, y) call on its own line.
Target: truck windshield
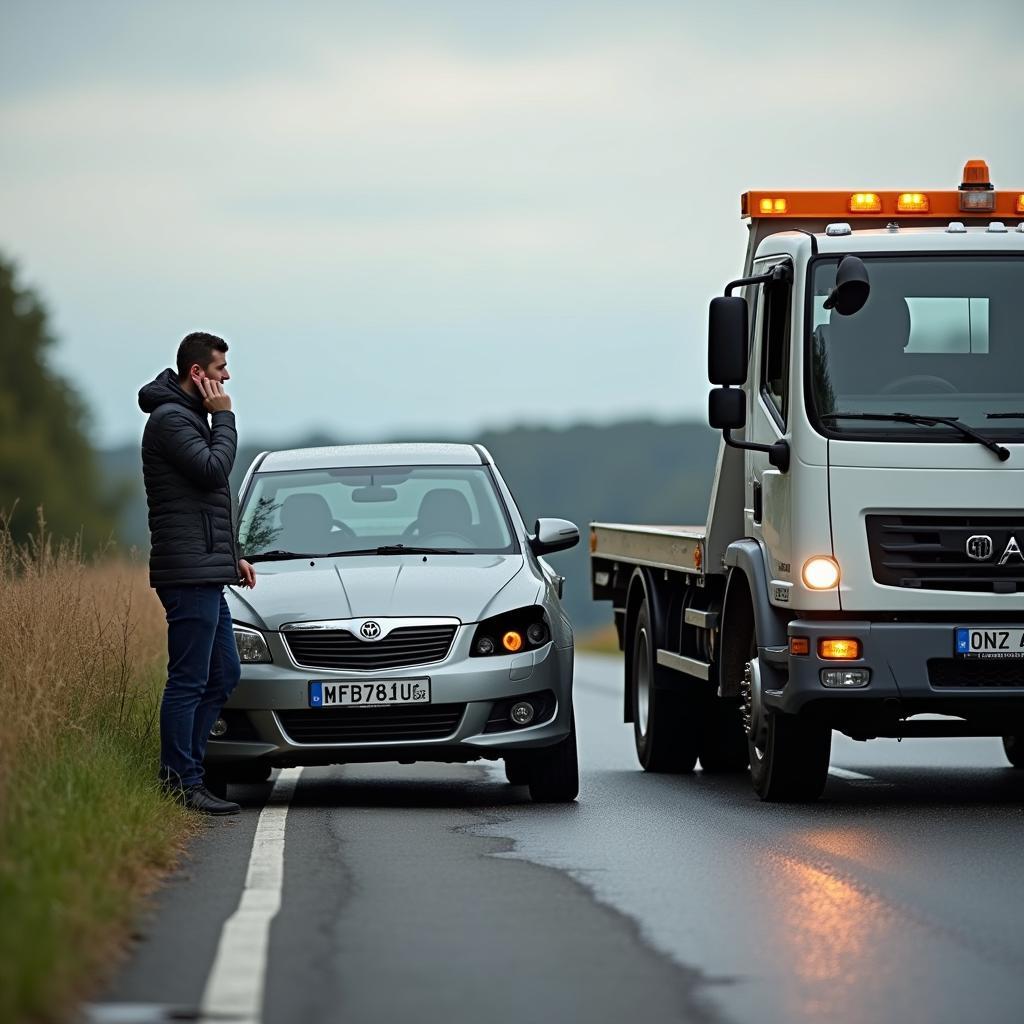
point(938, 337)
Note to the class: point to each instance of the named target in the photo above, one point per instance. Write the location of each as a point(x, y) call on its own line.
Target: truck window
point(775, 349)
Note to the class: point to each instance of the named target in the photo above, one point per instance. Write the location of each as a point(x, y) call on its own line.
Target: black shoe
point(199, 798)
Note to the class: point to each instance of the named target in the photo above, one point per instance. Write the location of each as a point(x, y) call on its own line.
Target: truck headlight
point(252, 646)
point(820, 572)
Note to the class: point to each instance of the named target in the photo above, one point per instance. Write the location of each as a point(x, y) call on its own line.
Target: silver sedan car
point(403, 612)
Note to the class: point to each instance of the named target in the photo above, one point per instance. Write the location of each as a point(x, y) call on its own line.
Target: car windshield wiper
point(402, 549)
point(276, 556)
point(926, 421)
point(1004, 415)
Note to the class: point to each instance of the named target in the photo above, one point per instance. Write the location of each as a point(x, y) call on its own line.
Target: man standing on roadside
point(188, 449)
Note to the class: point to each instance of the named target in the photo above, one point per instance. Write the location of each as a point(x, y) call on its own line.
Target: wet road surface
point(440, 893)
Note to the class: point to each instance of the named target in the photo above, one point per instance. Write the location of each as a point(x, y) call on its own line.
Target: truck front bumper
point(912, 669)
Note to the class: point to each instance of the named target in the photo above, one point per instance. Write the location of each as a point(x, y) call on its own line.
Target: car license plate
point(985, 642)
point(374, 693)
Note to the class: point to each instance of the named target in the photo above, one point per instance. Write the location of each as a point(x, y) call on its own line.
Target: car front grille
point(338, 648)
point(989, 673)
point(372, 725)
point(932, 552)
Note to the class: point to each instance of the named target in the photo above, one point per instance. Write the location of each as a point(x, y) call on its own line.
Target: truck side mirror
point(727, 408)
point(852, 287)
point(727, 340)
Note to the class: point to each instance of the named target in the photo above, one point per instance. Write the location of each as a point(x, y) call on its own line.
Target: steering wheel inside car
point(914, 379)
point(343, 528)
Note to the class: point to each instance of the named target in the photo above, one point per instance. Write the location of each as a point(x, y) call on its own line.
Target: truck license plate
point(985, 642)
point(374, 693)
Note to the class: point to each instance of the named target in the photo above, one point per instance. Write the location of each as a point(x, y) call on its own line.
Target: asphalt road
point(440, 893)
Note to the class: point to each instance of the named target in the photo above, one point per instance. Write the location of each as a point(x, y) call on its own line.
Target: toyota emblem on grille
point(979, 547)
point(370, 630)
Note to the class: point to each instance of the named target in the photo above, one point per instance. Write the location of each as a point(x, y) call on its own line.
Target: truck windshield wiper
point(926, 421)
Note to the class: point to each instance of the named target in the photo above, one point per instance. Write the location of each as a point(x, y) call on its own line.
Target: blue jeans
point(202, 670)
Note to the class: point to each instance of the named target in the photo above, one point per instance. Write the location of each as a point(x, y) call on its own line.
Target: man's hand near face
point(214, 397)
point(246, 574)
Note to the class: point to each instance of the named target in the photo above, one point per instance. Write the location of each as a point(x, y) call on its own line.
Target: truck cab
point(862, 563)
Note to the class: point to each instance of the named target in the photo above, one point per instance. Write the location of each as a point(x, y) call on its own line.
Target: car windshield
point(455, 509)
point(938, 337)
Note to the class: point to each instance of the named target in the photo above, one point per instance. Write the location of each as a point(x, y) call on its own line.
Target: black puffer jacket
point(186, 463)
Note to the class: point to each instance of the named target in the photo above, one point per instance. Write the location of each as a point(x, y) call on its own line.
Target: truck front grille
point(338, 648)
point(989, 673)
point(948, 552)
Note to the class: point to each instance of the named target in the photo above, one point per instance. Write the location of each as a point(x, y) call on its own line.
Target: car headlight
point(511, 633)
point(252, 646)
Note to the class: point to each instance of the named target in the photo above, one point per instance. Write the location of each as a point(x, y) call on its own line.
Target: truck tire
point(666, 721)
point(1014, 748)
point(793, 766)
point(723, 742)
point(553, 773)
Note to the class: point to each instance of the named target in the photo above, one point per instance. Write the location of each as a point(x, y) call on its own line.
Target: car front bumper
point(260, 709)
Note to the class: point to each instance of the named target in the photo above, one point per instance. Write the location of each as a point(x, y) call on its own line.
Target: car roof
point(357, 455)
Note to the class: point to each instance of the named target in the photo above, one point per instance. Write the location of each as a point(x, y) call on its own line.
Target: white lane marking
point(845, 773)
point(237, 978)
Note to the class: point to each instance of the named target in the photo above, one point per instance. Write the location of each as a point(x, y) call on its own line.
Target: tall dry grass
point(83, 825)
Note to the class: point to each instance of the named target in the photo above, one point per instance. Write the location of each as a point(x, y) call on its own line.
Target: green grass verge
point(84, 833)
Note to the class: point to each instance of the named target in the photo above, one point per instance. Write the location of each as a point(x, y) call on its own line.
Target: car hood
point(466, 587)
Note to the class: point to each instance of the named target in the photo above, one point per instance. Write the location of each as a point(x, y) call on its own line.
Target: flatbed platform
point(676, 548)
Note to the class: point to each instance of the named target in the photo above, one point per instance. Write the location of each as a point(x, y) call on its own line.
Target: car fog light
point(485, 645)
point(522, 713)
point(219, 728)
point(537, 634)
point(845, 678)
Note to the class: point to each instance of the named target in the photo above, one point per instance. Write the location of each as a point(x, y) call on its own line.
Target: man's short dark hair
point(198, 347)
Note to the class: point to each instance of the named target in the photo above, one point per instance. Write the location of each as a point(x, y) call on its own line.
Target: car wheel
point(666, 721)
point(1014, 748)
point(516, 771)
point(554, 773)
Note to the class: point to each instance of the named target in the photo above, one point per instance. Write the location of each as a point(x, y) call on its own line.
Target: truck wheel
point(723, 742)
point(1014, 747)
point(788, 754)
point(553, 772)
point(666, 722)
point(516, 771)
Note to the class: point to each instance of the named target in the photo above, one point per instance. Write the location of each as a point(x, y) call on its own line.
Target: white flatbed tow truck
point(862, 563)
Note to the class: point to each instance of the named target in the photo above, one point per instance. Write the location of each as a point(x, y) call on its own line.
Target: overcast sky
point(438, 216)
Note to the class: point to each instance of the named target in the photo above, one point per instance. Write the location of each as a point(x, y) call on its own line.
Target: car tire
point(517, 771)
point(666, 721)
point(723, 742)
point(554, 772)
point(1013, 746)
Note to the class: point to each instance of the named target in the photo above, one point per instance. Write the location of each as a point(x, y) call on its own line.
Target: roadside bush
point(84, 829)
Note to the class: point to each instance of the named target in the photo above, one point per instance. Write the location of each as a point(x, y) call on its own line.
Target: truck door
point(767, 490)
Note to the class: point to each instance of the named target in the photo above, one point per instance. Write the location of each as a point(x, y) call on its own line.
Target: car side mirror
point(550, 535)
point(727, 340)
point(852, 287)
point(727, 408)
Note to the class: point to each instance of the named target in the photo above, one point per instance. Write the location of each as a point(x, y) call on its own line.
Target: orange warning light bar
point(945, 205)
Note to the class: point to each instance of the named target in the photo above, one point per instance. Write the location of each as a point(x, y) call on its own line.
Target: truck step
point(700, 619)
point(688, 666)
